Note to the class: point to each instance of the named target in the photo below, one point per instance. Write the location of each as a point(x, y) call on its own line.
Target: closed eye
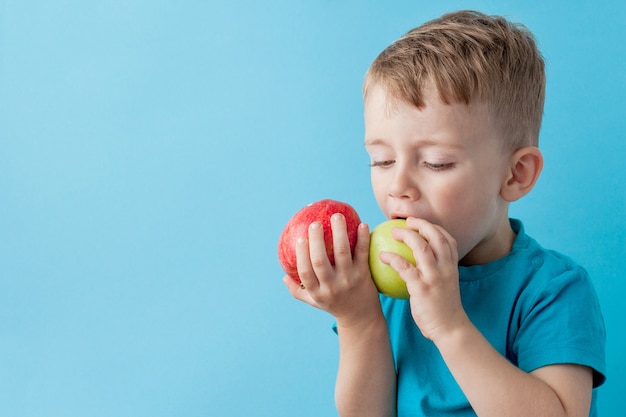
point(437, 166)
point(385, 163)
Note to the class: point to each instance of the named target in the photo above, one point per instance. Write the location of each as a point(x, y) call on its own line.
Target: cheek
point(475, 191)
point(377, 187)
point(470, 214)
point(460, 202)
point(455, 195)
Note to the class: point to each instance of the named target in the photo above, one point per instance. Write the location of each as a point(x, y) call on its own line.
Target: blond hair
point(469, 56)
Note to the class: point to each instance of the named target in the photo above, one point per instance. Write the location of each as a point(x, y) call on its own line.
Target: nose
point(404, 185)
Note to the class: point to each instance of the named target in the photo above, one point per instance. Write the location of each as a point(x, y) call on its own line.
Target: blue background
point(152, 151)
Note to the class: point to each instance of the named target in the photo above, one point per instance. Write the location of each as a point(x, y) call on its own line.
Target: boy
point(495, 324)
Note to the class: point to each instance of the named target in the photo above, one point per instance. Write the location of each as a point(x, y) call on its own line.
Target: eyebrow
point(375, 141)
point(424, 142)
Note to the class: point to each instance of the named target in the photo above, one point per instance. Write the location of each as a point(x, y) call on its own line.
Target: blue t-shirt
point(535, 306)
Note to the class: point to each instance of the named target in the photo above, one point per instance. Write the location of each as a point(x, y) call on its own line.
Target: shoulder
point(544, 265)
point(557, 313)
point(547, 278)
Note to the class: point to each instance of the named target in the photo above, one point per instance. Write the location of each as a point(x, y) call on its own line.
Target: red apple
point(298, 226)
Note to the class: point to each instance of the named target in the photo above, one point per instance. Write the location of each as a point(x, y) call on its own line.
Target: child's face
point(443, 164)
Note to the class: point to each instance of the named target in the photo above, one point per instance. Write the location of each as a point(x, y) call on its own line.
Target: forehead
point(457, 124)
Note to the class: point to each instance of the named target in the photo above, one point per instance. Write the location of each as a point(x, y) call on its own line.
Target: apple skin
point(298, 226)
point(387, 280)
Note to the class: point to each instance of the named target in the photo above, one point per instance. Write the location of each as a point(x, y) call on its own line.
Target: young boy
point(495, 325)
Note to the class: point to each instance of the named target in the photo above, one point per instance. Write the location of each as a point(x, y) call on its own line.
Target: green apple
point(386, 278)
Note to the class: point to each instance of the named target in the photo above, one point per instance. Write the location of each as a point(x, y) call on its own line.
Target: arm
point(493, 385)
point(366, 379)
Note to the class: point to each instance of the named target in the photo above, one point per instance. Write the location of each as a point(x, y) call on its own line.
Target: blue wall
point(151, 152)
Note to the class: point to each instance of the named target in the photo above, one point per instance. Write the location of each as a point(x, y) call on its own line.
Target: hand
point(433, 283)
point(346, 290)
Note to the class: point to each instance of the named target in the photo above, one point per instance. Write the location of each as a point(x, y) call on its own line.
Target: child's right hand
point(346, 290)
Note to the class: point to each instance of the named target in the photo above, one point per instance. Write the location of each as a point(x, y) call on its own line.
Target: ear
point(524, 169)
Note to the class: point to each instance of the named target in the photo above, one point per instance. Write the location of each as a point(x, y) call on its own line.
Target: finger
point(362, 248)
point(440, 242)
point(317, 250)
point(341, 244)
point(442, 262)
point(426, 259)
point(422, 251)
point(303, 264)
point(407, 271)
point(449, 242)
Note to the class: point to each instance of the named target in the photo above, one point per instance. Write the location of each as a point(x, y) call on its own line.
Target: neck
point(495, 246)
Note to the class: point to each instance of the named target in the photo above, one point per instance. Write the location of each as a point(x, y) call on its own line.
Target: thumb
point(298, 292)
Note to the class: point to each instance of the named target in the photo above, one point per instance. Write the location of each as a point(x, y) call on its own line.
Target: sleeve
point(564, 324)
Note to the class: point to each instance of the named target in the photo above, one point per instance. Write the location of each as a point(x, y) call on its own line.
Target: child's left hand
point(433, 283)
